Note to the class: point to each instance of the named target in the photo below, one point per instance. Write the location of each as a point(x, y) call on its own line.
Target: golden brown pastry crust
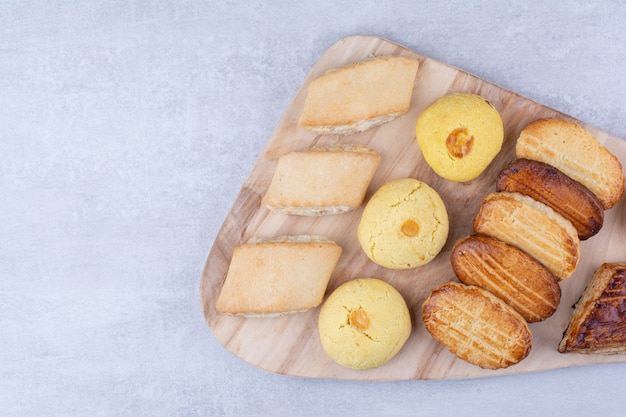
point(550, 186)
point(508, 273)
point(277, 276)
point(533, 227)
point(319, 181)
point(476, 326)
point(356, 97)
point(575, 152)
point(598, 324)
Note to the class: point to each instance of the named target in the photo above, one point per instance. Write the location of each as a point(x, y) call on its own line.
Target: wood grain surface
point(290, 344)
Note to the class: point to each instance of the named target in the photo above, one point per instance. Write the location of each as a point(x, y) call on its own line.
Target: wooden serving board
point(290, 344)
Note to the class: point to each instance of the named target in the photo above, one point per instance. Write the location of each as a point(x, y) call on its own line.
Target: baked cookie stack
point(527, 239)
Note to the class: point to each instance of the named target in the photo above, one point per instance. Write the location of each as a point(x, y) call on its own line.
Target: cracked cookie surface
point(404, 225)
point(364, 323)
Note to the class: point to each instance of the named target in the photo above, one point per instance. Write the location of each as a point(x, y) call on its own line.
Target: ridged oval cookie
point(476, 326)
point(507, 272)
point(546, 184)
point(575, 152)
point(533, 227)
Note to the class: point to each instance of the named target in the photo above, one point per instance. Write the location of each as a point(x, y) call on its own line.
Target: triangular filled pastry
point(598, 324)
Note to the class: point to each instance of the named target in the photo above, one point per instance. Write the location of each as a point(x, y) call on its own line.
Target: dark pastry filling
point(607, 322)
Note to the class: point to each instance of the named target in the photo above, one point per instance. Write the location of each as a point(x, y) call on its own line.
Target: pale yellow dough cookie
point(364, 323)
point(459, 135)
point(404, 225)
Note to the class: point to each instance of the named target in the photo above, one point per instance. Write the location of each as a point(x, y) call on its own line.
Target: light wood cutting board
point(290, 345)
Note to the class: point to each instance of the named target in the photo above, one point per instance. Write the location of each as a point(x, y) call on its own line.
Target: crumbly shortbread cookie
point(404, 225)
point(364, 323)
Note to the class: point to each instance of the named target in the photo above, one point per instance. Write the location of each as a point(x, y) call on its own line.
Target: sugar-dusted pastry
point(404, 225)
point(598, 324)
point(507, 272)
point(271, 277)
point(364, 323)
point(476, 326)
point(357, 97)
point(324, 180)
point(533, 227)
point(575, 152)
point(550, 186)
point(459, 135)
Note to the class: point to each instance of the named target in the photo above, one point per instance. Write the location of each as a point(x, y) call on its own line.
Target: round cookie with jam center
point(404, 225)
point(459, 135)
point(364, 323)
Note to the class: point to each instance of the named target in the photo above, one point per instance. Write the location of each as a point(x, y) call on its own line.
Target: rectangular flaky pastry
point(319, 181)
point(271, 277)
point(356, 97)
point(598, 324)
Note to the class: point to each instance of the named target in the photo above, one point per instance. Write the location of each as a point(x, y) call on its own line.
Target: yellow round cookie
point(404, 225)
point(364, 323)
point(459, 135)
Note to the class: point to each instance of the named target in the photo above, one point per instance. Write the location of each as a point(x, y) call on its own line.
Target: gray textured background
point(126, 130)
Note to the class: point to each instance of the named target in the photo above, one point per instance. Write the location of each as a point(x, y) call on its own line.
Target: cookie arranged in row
point(507, 272)
point(404, 225)
point(549, 186)
point(535, 228)
point(575, 152)
point(529, 232)
point(476, 326)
